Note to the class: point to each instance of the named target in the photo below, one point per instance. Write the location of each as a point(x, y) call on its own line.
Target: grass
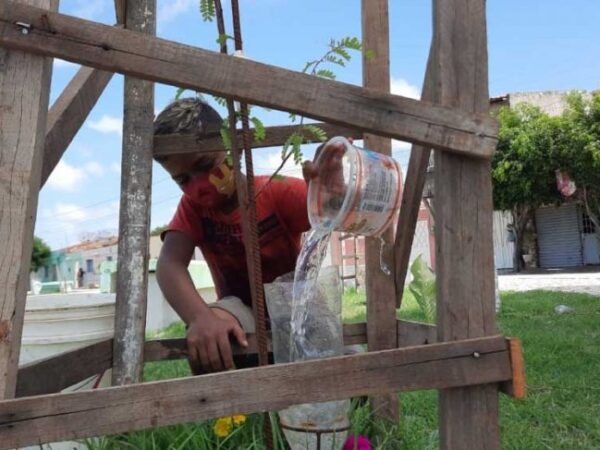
point(562, 410)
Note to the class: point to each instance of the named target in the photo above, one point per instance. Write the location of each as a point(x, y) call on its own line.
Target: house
point(564, 236)
point(64, 264)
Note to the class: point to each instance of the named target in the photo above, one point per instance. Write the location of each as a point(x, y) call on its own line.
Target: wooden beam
point(69, 112)
point(463, 212)
point(380, 287)
point(412, 195)
point(134, 212)
point(410, 333)
point(136, 54)
point(121, 11)
point(127, 408)
point(58, 372)
point(24, 94)
point(170, 144)
point(49, 375)
point(516, 387)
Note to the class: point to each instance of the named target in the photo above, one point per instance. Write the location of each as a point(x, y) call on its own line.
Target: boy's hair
point(189, 115)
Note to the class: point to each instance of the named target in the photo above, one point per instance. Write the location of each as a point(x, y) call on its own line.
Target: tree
point(533, 146)
point(523, 175)
point(579, 151)
point(39, 255)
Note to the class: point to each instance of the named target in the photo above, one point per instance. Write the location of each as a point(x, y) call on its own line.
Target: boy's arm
point(208, 332)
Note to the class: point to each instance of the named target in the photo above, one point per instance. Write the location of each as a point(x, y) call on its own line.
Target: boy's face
point(204, 178)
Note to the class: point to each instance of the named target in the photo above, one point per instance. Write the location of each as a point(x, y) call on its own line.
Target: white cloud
point(94, 168)
point(107, 124)
point(116, 168)
point(61, 63)
point(400, 86)
point(267, 163)
point(169, 10)
point(66, 177)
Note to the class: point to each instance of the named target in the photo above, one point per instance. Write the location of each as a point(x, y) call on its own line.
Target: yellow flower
point(223, 426)
point(238, 420)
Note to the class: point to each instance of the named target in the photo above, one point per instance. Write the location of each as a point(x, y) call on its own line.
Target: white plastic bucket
point(356, 190)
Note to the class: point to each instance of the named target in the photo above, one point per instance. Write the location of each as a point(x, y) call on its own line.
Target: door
point(591, 242)
point(503, 247)
point(559, 236)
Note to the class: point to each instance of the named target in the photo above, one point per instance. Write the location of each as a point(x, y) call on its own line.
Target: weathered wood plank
point(134, 212)
point(410, 333)
point(112, 410)
point(463, 209)
point(412, 196)
point(58, 372)
point(211, 142)
point(415, 333)
point(160, 60)
point(69, 112)
point(380, 287)
point(517, 386)
point(24, 94)
point(121, 10)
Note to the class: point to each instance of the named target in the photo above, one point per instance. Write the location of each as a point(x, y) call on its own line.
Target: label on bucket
point(378, 194)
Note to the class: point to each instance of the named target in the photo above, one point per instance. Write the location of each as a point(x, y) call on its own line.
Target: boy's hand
point(328, 168)
point(208, 343)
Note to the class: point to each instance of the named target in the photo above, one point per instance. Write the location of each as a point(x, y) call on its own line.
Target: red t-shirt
point(282, 218)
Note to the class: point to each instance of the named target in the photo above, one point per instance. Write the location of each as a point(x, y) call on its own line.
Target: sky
point(534, 45)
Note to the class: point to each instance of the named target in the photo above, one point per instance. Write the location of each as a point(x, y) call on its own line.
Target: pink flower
point(357, 443)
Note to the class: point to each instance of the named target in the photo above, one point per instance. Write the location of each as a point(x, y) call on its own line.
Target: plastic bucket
point(356, 191)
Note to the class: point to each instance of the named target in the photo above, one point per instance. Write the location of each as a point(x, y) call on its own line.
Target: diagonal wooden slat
point(69, 112)
point(160, 60)
point(112, 410)
point(412, 196)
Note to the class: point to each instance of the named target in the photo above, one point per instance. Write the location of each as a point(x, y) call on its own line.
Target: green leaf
point(342, 52)
point(350, 42)
point(423, 288)
point(223, 38)
point(317, 132)
point(325, 73)
point(334, 60)
point(260, 132)
point(220, 101)
point(207, 10)
point(179, 92)
point(370, 54)
point(225, 134)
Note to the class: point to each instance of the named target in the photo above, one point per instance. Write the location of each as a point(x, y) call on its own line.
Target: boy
point(208, 216)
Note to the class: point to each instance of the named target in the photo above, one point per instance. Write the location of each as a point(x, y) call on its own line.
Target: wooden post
point(463, 206)
point(24, 96)
point(381, 292)
point(134, 217)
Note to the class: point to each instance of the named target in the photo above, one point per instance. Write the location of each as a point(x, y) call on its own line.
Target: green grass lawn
point(562, 410)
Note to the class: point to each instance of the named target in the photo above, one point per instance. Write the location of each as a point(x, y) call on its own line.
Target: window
point(588, 225)
point(89, 266)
